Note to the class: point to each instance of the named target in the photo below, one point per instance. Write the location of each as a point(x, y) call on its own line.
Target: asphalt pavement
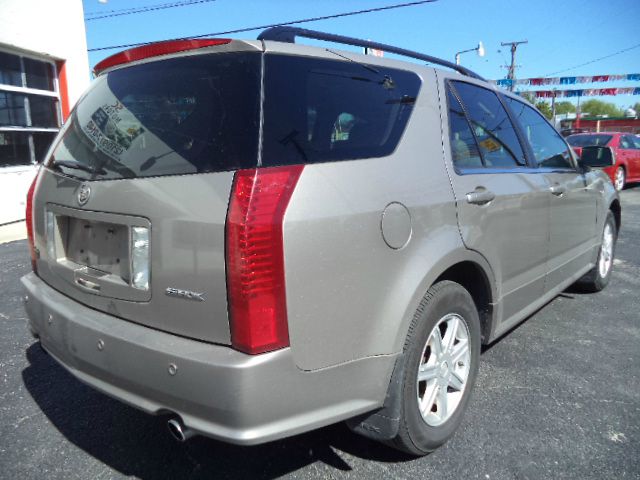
point(557, 397)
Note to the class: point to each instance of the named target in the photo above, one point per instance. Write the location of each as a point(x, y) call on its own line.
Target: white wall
point(53, 28)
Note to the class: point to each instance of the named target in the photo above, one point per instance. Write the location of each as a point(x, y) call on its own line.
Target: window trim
point(485, 169)
point(24, 90)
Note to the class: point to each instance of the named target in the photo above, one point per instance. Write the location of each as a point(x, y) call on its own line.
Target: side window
point(636, 142)
point(549, 149)
point(464, 150)
point(625, 143)
point(497, 138)
point(319, 110)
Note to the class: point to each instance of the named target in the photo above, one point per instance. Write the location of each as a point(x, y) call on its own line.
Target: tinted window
point(10, 71)
point(43, 111)
point(548, 147)
point(14, 106)
point(14, 149)
point(41, 143)
point(39, 74)
point(12, 109)
point(496, 136)
point(625, 143)
point(183, 115)
point(320, 110)
point(464, 150)
point(588, 140)
point(636, 141)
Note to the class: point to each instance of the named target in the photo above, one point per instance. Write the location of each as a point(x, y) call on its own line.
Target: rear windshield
point(588, 140)
point(184, 115)
point(201, 113)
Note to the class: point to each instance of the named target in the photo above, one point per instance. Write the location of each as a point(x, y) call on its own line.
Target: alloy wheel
point(606, 251)
point(444, 369)
point(619, 179)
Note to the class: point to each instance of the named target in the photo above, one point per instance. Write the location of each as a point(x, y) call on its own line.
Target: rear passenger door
point(502, 203)
point(573, 196)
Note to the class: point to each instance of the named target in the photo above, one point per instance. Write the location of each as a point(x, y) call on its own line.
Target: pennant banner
point(506, 82)
point(583, 92)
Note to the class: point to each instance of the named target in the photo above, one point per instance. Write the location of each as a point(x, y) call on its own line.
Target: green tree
point(636, 107)
point(598, 107)
point(545, 108)
point(529, 97)
point(565, 107)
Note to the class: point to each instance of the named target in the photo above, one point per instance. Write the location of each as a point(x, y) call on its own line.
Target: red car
point(626, 148)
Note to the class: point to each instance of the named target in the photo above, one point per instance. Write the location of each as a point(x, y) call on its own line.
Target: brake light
point(155, 50)
point(29, 217)
point(255, 257)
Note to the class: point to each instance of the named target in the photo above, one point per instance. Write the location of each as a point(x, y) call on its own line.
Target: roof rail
point(289, 34)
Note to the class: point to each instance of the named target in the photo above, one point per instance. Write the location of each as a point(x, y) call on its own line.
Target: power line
point(261, 27)
point(593, 61)
point(92, 14)
point(150, 8)
point(102, 12)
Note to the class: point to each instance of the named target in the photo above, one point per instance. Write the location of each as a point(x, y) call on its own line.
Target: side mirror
point(597, 157)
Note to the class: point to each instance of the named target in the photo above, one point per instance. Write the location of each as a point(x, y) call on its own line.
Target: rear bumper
point(217, 391)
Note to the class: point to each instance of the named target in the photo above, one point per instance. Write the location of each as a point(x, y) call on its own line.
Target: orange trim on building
point(64, 89)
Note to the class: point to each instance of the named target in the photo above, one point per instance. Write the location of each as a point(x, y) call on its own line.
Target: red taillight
point(255, 258)
point(156, 49)
point(29, 222)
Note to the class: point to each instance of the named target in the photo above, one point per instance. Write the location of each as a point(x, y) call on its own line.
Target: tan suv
point(263, 238)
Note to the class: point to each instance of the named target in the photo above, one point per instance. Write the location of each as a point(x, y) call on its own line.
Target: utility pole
point(512, 68)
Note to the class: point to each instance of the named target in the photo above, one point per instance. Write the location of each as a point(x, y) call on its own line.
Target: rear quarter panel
point(349, 295)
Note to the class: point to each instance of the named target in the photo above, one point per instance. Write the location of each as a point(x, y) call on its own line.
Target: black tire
point(414, 435)
point(594, 281)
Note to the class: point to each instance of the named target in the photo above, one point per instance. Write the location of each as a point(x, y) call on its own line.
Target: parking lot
point(557, 397)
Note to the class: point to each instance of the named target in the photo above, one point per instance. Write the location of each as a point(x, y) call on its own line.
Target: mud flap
point(383, 424)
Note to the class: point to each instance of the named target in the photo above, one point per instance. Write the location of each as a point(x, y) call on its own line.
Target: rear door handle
point(557, 190)
point(480, 196)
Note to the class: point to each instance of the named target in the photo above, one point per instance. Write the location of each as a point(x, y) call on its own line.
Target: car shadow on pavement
point(136, 444)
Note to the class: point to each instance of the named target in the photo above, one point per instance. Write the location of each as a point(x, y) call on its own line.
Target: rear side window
point(191, 114)
point(548, 146)
point(635, 141)
point(319, 110)
point(497, 138)
point(588, 140)
point(464, 150)
point(625, 142)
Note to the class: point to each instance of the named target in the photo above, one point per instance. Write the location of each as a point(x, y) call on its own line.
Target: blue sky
point(561, 33)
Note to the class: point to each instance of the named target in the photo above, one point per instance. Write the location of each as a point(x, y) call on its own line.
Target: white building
point(44, 68)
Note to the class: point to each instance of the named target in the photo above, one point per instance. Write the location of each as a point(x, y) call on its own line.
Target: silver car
point(262, 238)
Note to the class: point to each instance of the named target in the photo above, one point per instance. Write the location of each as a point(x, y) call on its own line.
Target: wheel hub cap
point(606, 251)
point(619, 183)
point(444, 369)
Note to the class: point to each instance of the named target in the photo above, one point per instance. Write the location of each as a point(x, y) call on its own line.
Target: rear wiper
point(387, 82)
point(78, 166)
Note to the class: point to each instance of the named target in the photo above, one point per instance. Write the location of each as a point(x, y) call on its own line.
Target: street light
point(479, 49)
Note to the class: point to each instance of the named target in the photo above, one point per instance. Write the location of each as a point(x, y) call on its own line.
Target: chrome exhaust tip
point(178, 430)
